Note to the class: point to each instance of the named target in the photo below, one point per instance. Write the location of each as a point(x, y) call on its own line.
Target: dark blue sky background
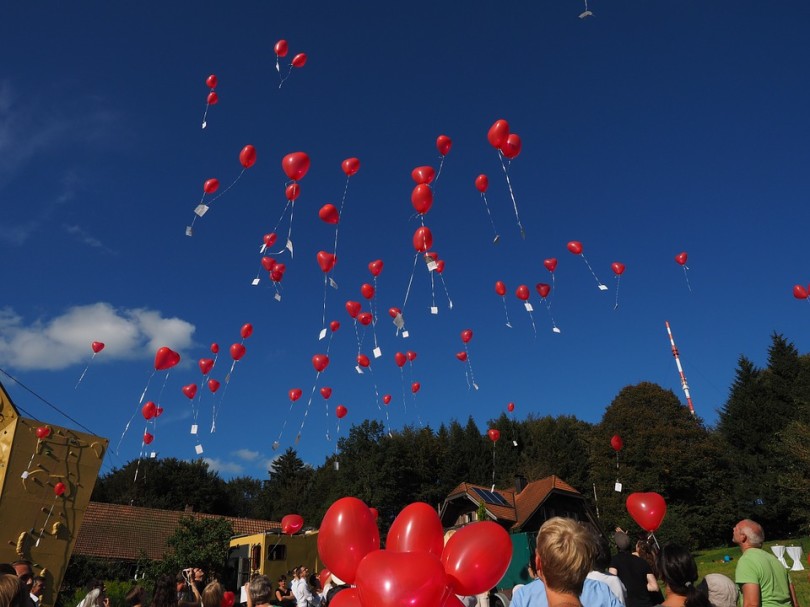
point(647, 131)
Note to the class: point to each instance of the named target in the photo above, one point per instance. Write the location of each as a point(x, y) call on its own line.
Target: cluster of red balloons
point(150, 410)
point(501, 139)
point(281, 49)
point(211, 83)
point(416, 567)
point(275, 269)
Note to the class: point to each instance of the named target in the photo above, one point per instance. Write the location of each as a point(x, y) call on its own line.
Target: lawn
point(712, 561)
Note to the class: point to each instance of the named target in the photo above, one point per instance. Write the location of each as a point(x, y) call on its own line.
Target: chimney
point(520, 483)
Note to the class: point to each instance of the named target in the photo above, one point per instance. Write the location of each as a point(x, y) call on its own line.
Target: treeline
point(754, 463)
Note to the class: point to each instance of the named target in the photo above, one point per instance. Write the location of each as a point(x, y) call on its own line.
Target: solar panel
point(490, 497)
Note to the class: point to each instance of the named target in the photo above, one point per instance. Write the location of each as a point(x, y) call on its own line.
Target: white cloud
point(84, 237)
point(65, 340)
point(246, 454)
point(217, 465)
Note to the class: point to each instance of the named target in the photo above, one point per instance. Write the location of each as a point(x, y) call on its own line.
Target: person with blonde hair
point(13, 593)
point(564, 556)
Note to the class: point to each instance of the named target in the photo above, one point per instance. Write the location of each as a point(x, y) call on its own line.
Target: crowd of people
point(572, 567)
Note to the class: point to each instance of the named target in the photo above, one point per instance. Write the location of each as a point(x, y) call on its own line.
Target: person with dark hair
point(634, 572)
point(601, 562)
point(284, 596)
point(165, 593)
point(135, 597)
point(678, 571)
point(37, 589)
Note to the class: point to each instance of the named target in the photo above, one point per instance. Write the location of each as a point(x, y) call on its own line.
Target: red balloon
point(190, 391)
point(326, 392)
point(399, 579)
point(386, 399)
point(237, 351)
point(422, 239)
point(466, 335)
point(341, 411)
point(269, 239)
point(348, 533)
point(281, 48)
point(375, 267)
point(59, 488)
point(367, 290)
point(279, 267)
point(476, 557)
point(498, 133)
point(575, 247)
point(440, 266)
point(295, 165)
point(45, 431)
point(681, 258)
point(550, 263)
point(616, 442)
point(324, 576)
point(334, 326)
point(647, 509)
point(411, 355)
point(512, 147)
point(353, 308)
point(394, 312)
point(462, 356)
point(158, 411)
point(617, 267)
point(433, 255)
point(300, 60)
point(293, 191)
point(213, 98)
point(148, 411)
point(166, 358)
point(422, 198)
point(365, 318)
point(268, 263)
point(500, 288)
point(494, 434)
point(292, 523)
point(522, 292)
point(423, 175)
point(418, 529)
point(276, 276)
point(350, 166)
point(400, 359)
point(210, 186)
point(246, 330)
point(363, 360)
point(443, 144)
point(213, 385)
point(295, 394)
point(327, 261)
point(247, 156)
point(228, 599)
point(481, 183)
point(510, 407)
point(348, 597)
point(214, 348)
point(415, 387)
point(211, 81)
point(320, 362)
point(97, 346)
point(543, 289)
point(329, 214)
point(147, 438)
point(799, 292)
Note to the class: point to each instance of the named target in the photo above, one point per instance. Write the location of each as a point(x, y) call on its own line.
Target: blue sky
point(646, 131)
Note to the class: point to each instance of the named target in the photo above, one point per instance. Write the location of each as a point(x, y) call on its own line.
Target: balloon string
point(410, 281)
point(323, 319)
point(326, 405)
point(373, 306)
point(534, 328)
point(306, 411)
point(493, 466)
point(289, 231)
point(438, 173)
point(163, 387)
point(550, 315)
point(140, 457)
point(146, 387)
point(446, 292)
point(126, 428)
point(82, 375)
point(618, 282)
point(47, 518)
point(585, 259)
point(283, 425)
point(506, 312)
point(497, 237)
point(512, 195)
point(284, 78)
point(340, 212)
point(205, 115)
point(376, 390)
point(225, 191)
point(388, 422)
point(357, 336)
point(686, 276)
point(432, 292)
point(404, 402)
point(469, 365)
point(215, 409)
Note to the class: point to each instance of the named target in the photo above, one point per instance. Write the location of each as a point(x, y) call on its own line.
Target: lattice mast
point(684, 385)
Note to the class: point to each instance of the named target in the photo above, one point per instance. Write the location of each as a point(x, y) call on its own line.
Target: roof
point(128, 532)
point(521, 505)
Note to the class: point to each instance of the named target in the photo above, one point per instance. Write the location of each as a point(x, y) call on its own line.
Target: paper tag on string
point(399, 322)
point(289, 247)
point(189, 231)
point(24, 475)
point(278, 297)
point(450, 304)
point(204, 124)
point(275, 445)
point(153, 455)
point(528, 307)
point(377, 352)
point(405, 334)
point(254, 282)
point(432, 265)
point(322, 334)
point(475, 386)
point(332, 283)
point(359, 369)
point(603, 288)
point(434, 310)
point(262, 248)
point(201, 210)
point(556, 330)
point(198, 449)
point(194, 428)
point(617, 487)
point(514, 443)
point(337, 465)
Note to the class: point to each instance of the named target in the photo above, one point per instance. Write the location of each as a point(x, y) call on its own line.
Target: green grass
point(712, 561)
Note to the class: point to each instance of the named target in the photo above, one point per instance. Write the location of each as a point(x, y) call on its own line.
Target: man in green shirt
point(762, 578)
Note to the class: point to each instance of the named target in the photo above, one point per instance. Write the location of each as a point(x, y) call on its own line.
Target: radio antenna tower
point(684, 385)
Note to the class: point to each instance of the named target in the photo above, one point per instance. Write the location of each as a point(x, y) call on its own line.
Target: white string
point(585, 259)
point(506, 312)
point(512, 194)
point(410, 281)
point(306, 411)
point(497, 236)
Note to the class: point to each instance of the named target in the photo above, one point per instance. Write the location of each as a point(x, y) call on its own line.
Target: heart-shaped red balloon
point(411, 355)
point(329, 214)
point(422, 199)
point(292, 191)
point(341, 411)
point(247, 157)
point(482, 183)
point(476, 557)
point(462, 356)
point(326, 392)
point(353, 308)
point(211, 81)
point(799, 292)
point(367, 290)
point(400, 359)
point(423, 175)
point(292, 523)
point(350, 166)
point(295, 165)
point(443, 144)
point(158, 411)
point(149, 410)
point(375, 267)
point(348, 532)
point(363, 360)
point(279, 268)
point(228, 599)
point(320, 362)
point(681, 258)
point(97, 346)
point(237, 351)
point(45, 431)
point(617, 267)
point(510, 407)
point(326, 261)
point(647, 509)
point(522, 292)
point(550, 263)
point(213, 98)
point(511, 149)
point(147, 438)
point(543, 289)
point(417, 528)
point(334, 326)
point(422, 239)
point(390, 579)
point(213, 385)
point(616, 442)
point(300, 60)
point(269, 239)
point(246, 330)
point(466, 335)
point(394, 312)
point(575, 247)
point(295, 394)
point(386, 399)
point(206, 364)
point(500, 288)
point(190, 391)
point(365, 318)
point(494, 434)
point(59, 488)
point(415, 387)
point(498, 133)
point(166, 358)
point(214, 348)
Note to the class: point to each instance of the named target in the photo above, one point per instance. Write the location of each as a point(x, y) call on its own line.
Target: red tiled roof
point(127, 532)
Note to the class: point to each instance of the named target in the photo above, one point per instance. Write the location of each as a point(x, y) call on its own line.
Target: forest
point(755, 463)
